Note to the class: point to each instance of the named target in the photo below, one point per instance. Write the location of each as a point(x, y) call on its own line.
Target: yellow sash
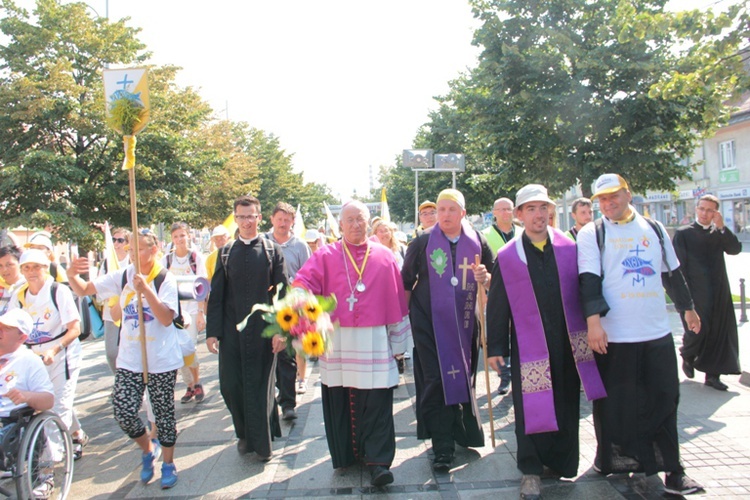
point(154, 271)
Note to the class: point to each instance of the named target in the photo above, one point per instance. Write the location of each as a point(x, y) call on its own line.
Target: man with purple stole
point(534, 301)
point(441, 278)
point(359, 372)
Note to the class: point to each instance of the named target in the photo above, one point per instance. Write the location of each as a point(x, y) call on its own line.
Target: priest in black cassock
point(700, 248)
point(247, 272)
point(441, 281)
point(534, 305)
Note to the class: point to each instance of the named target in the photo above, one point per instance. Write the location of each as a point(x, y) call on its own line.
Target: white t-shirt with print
point(181, 267)
point(49, 321)
point(25, 371)
point(632, 286)
point(106, 310)
point(162, 346)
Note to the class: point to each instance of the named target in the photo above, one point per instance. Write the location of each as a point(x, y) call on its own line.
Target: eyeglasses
point(246, 217)
point(430, 212)
point(119, 240)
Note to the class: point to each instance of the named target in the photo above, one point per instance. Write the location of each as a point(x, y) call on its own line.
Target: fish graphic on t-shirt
point(640, 267)
point(131, 313)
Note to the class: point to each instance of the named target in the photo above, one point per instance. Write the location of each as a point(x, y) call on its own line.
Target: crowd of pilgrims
point(396, 301)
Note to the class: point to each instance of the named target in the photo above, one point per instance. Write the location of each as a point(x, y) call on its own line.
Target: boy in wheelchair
point(25, 386)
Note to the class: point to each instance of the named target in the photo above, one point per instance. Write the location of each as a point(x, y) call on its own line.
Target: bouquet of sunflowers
point(301, 317)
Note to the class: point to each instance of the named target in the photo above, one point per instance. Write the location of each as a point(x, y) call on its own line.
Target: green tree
point(568, 89)
point(60, 163)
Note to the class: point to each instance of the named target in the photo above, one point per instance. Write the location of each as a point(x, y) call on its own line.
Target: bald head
point(354, 219)
point(503, 212)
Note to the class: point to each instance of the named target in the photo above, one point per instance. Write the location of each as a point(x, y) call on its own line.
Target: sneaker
point(45, 487)
point(504, 387)
point(168, 476)
point(677, 483)
point(301, 386)
point(188, 397)
point(531, 487)
point(149, 459)
point(198, 393)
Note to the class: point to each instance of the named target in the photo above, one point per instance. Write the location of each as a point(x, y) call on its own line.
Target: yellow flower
point(287, 318)
point(312, 344)
point(313, 310)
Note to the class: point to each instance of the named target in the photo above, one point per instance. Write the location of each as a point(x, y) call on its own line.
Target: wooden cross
point(464, 267)
point(352, 299)
point(453, 372)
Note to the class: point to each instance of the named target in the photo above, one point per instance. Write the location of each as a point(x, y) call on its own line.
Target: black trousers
point(286, 378)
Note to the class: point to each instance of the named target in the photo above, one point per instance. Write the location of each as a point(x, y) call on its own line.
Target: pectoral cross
point(464, 267)
point(453, 372)
point(352, 299)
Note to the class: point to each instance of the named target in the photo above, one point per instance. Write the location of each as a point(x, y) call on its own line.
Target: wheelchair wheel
point(45, 459)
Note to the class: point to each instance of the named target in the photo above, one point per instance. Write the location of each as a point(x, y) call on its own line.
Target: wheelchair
point(36, 452)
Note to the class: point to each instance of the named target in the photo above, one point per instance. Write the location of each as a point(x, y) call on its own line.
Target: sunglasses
point(119, 240)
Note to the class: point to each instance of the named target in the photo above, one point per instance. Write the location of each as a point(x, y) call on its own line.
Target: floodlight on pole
point(417, 159)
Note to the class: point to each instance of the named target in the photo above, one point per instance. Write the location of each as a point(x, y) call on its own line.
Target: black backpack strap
point(658, 232)
point(224, 255)
point(169, 260)
point(53, 294)
point(193, 259)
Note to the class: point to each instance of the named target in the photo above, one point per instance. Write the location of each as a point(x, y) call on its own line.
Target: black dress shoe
point(687, 369)
point(242, 446)
point(380, 475)
point(442, 463)
point(716, 383)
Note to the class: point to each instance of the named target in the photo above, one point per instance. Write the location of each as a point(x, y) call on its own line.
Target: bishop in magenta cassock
point(359, 372)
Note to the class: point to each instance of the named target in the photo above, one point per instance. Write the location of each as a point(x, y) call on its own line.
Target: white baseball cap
point(18, 318)
point(219, 231)
point(607, 184)
point(532, 192)
point(40, 239)
point(311, 235)
point(34, 256)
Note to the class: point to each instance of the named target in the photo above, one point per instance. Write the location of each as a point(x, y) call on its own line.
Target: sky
point(343, 84)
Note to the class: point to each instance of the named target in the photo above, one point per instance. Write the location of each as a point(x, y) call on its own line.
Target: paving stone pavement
point(714, 430)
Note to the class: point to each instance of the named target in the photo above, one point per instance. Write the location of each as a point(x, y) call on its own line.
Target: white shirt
point(181, 267)
point(162, 346)
point(632, 265)
point(25, 371)
point(49, 321)
point(106, 310)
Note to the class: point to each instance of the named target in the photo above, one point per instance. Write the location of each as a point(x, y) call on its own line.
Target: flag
point(113, 264)
point(299, 224)
point(230, 225)
point(385, 215)
point(332, 222)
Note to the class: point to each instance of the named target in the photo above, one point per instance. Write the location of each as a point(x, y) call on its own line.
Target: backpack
point(178, 322)
point(53, 295)
point(192, 258)
point(267, 247)
point(599, 225)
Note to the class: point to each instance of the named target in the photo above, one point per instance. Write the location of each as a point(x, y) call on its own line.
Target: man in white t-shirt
point(624, 263)
point(23, 378)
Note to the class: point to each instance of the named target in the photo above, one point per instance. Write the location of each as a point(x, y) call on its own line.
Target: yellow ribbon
point(129, 143)
point(21, 292)
point(364, 262)
point(154, 271)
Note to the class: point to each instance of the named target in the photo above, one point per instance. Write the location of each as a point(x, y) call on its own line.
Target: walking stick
point(482, 300)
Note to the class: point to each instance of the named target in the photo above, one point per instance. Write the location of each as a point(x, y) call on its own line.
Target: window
point(726, 155)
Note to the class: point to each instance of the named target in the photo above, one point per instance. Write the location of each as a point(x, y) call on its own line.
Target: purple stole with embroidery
point(536, 377)
point(453, 309)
